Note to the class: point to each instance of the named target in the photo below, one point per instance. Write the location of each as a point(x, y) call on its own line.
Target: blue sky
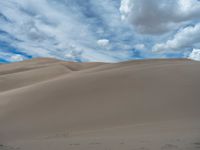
point(96, 30)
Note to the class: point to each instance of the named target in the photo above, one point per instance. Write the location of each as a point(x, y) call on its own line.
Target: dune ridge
point(51, 102)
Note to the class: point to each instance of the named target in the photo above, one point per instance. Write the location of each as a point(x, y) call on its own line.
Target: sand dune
point(51, 104)
point(25, 73)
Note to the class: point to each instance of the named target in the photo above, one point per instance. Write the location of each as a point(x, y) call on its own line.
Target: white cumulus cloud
point(139, 46)
point(195, 55)
point(103, 42)
point(159, 16)
point(185, 39)
point(9, 57)
point(16, 58)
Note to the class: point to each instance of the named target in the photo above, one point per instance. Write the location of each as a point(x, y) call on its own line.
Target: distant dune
point(47, 104)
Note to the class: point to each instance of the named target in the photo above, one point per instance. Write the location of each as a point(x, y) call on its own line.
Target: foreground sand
point(46, 104)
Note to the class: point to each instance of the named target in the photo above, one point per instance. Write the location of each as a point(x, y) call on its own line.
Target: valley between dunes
point(47, 104)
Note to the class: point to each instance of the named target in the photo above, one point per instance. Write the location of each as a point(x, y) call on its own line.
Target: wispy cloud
point(50, 28)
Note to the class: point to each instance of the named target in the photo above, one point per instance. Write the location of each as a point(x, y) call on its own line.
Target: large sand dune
point(46, 104)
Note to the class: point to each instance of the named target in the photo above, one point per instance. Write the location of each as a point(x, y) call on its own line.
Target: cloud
point(185, 39)
point(103, 42)
point(43, 26)
point(195, 55)
point(92, 30)
point(16, 57)
point(74, 56)
point(11, 57)
point(159, 16)
point(64, 29)
point(139, 46)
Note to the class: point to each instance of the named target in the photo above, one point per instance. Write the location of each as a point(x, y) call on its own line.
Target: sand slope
point(50, 104)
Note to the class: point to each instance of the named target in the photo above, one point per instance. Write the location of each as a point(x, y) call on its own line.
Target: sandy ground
point(46, 104)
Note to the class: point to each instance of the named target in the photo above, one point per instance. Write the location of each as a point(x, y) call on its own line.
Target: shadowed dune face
point(41, 97)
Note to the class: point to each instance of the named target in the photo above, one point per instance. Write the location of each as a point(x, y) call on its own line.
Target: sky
point(99, 30)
